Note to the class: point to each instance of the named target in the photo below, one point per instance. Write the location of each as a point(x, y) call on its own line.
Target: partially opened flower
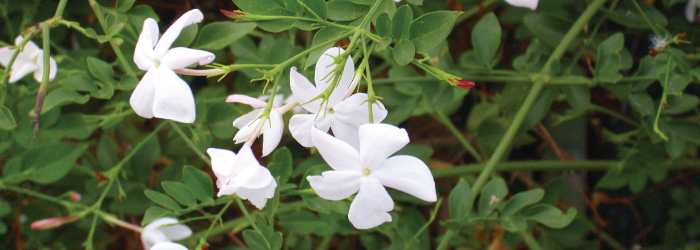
point(342, 116)
point(159, 234)
point(243, 175)
point(31, 59)
point(252, 125)
point(161, 93)
point(530, 4)
point(368, 171)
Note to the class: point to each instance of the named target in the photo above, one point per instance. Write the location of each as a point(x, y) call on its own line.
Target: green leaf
point(162, 199)
point(52, 166)
point(383, 25)
point(486, 38)
point(5, 208)
point(540, 109)
point(276, 241)
point(491, 195)
point(100, 69)
point(106, 92)
point(521, 200)
point(7, 120)
point(106, 152)
point(550, 215)
point(218, 35)
point(415, 2)
point(79, 82)
point(124, 5)
point(514, 224)
point(677, 82)
point(220, 116)
point(255, 240)
point(187, 36)
point(256, 6)
point(628, 15)
point(281, 165)
point(128, 82)
point(322, 35)
point(610, 59)
point(114, 29)
point(549, 28)
point(155, 213)
point(401, 23)
point(578, 96)
point(404, 52)
point(317, 6)
point(75, 125)
point(276, 26)
point(675, 145)
point(681, 104)
point(199, 182)
point(642, 103)
point(180, 192)
point(689, 131)
point(429, 30)
point(345, 11)
point(461, 201)
point(63, 96)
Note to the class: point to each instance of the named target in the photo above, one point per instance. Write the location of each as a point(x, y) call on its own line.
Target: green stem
point(663, 102)
point(100, 18)
point(529, 101)
point(639, 8)
point(512, 79)
point(475, 10)
point(280, 67)
point(250, 218)
point(530, 241)
point(60, 8)
point(440, 116)
point(45, 29)
point(614, 114)
point(43, 196)
point(189, 142)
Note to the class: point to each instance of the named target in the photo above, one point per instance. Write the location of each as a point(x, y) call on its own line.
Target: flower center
point(366, 172)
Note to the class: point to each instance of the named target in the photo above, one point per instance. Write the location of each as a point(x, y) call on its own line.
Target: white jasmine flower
point(530, 4)
point(243, 175)
point(369, 170)
point(691, 10)
point(161, 93)
point(251, 125)
point(157, 236)
point(31, 59)
point(342, 116)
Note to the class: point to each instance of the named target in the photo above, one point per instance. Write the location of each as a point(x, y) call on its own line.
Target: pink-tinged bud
point(464, 84)
point(52, 222)
point(231, 14)
point(75, 197)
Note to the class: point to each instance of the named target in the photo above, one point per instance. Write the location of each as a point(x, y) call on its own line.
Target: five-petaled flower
point(243, 175)
point(31, 59)
point(161, 93)
point(530, 4)
point(342, 116)
point(159, 234)
point(369, 170)
point(251, 125)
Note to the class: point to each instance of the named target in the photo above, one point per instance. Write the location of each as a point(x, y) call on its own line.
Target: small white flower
point(691, 9)
point(271, 127)
point(342, 116)
point(161, 93)
point(530, 4)
point(31, 59)
point(157, 236)
point(243, 175)
point(369, 170)
point(658, 42)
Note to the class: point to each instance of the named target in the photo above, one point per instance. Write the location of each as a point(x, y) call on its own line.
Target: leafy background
point(628, 187)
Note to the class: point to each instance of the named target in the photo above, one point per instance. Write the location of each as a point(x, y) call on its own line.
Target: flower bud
point(231, 14)
point(464, 84)
point(52, 222)
point(75, 197)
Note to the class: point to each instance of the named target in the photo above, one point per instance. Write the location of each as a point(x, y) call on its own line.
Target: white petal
point(247, 171)
point(258, 197)
point(176, 232)
point(272, 132)
point(149, 238)
point(5, 55)
point(248, 118)
point(29, 48)
point(244, 99)
point(142, 98)
point(379, 141)
point(355, 110)
point(180, 58)
point(371, 205)
point(39, 72)
point(530, 4)
point(336, 185)
point(690, 9)
point(347, 132)
point(304, 91)
point(300, 127)
point(222, 161)
point(408, 174)
point(246, 125)
point(173, 98)
point(21, 68)
point(156, 224)
point(325, 66)
point(143, 54)
point(170, 35)
point(228, 189)
point(338, 154)
point(168, 246)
